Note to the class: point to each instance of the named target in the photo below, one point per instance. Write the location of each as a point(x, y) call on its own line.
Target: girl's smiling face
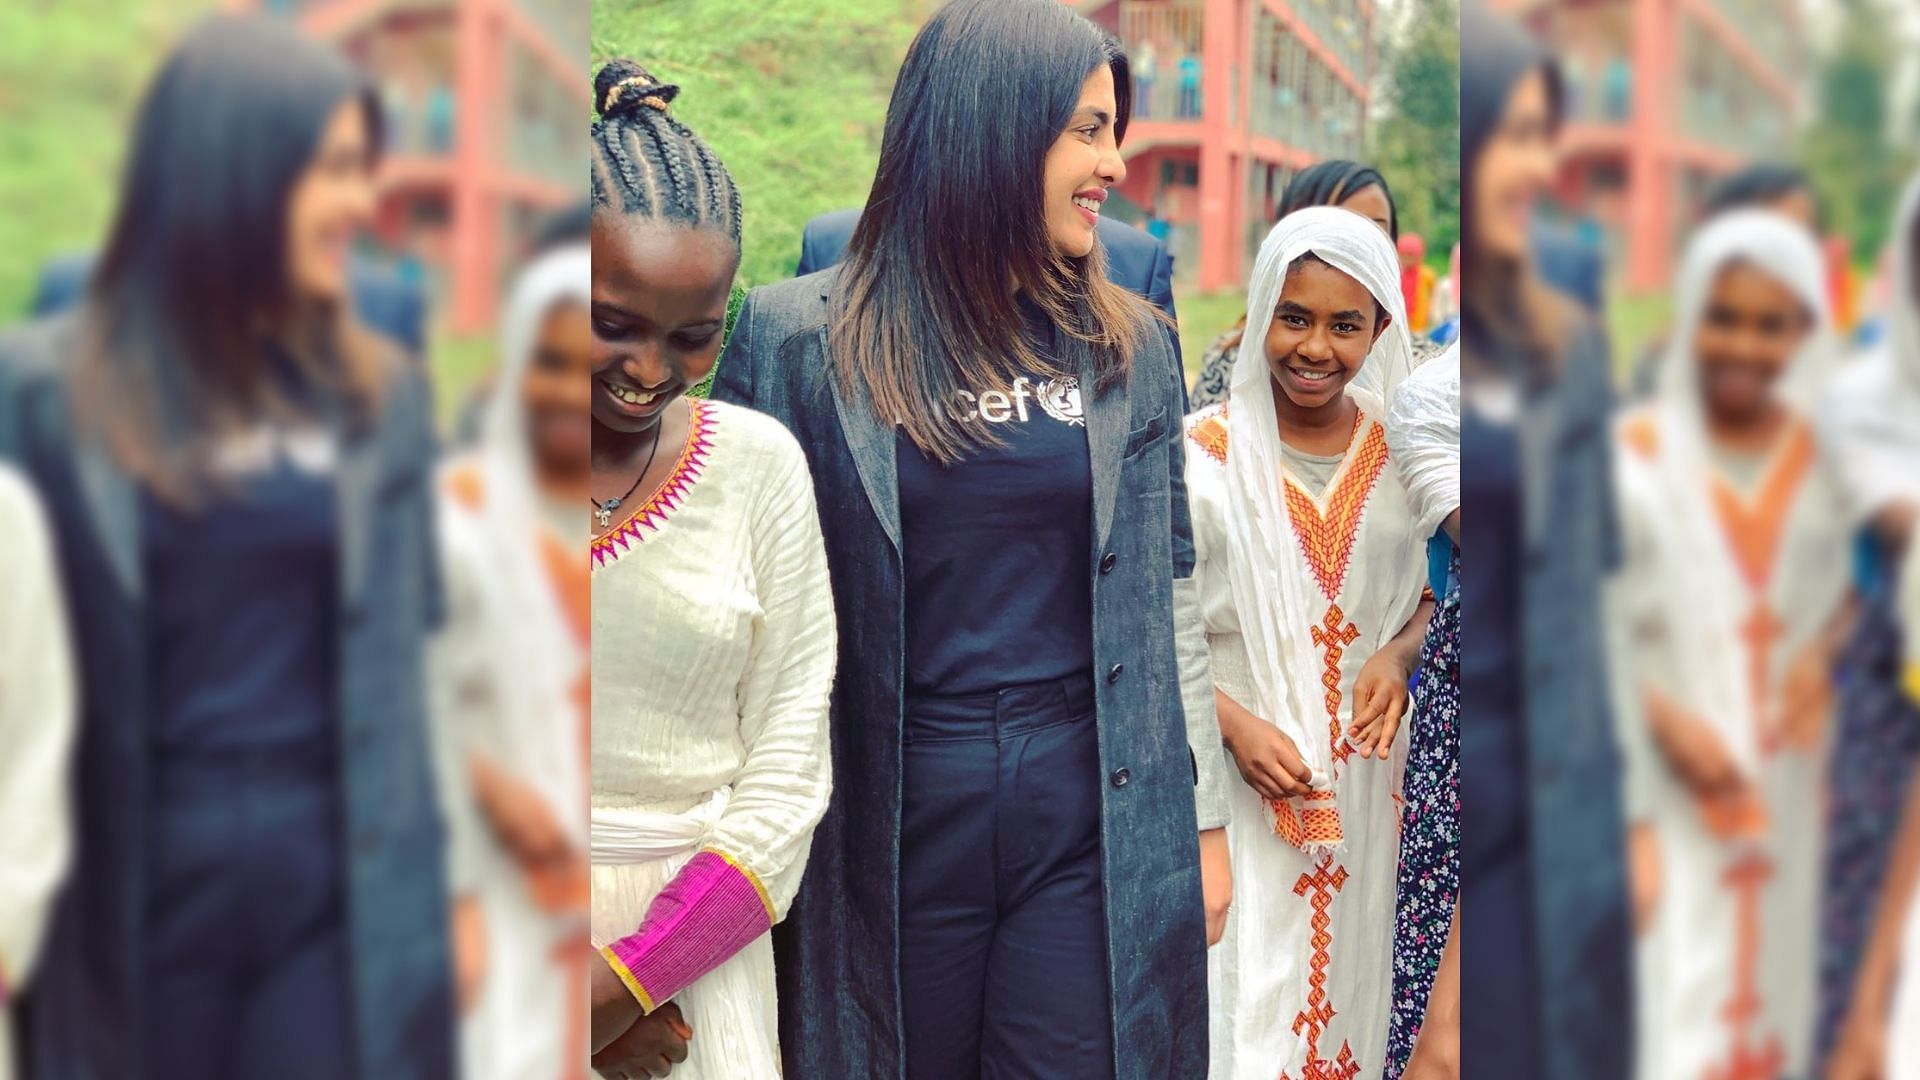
point(1322, 329)
point(658, 312)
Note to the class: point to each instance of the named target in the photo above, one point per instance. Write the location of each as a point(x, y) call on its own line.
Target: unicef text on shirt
point(1058, 398)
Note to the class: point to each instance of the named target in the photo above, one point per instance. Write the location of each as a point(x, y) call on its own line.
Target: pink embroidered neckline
point(651, 515)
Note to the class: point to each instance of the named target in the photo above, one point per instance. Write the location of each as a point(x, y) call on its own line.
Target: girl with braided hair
point(712, 648)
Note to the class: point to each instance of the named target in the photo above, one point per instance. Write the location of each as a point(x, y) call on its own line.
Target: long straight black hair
point(193, 288)
point(924, 304)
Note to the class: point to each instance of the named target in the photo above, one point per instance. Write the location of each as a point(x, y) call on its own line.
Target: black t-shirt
point(998, 548)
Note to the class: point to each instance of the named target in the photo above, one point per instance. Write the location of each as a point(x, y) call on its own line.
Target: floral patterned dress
point(1429, 826)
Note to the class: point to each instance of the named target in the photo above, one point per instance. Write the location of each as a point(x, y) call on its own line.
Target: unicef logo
point(1061, 399)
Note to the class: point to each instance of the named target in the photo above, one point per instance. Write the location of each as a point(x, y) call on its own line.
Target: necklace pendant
point(605, 513)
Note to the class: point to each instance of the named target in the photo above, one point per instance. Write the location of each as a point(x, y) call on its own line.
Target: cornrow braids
point(648, 163)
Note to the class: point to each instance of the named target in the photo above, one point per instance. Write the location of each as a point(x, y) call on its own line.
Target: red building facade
point(1233, 97)
point(1665, 97)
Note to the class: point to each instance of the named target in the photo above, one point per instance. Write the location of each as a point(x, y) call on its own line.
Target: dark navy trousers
point(1003, 950)
point(246, 956)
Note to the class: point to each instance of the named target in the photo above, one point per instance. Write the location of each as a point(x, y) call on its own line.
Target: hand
point(1806, 700)
point(1860, 1053)
point(1268, 761)
point(1380, 701)
point(522, 820)
point(468, 928)
point(650, 1048)
point(1216, 882)
point(612, 1006)
point(1643, 874)
point(1694, 751)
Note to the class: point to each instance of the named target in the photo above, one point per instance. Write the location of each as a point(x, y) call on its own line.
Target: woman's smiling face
point(1083, 163)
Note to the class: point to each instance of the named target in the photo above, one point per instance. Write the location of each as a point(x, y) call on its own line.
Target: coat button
point(1113, 673)
point(1120, 778)
point(1106, 564)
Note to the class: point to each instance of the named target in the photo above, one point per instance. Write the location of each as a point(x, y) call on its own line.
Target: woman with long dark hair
point(1009, 880)
point(1544, 893)
point(240, 487)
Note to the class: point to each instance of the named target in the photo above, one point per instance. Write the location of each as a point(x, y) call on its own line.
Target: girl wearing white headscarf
point(1310, 568)
point(1873, 419)
point(509, 680)
point(1729, 602)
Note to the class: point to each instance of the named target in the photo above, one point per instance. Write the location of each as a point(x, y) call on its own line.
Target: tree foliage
point(1846, 150)
point(1416, 136)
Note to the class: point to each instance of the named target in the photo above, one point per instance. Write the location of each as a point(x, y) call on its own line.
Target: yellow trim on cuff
point(765, 899)
point(1911, 681)
point(619, 967)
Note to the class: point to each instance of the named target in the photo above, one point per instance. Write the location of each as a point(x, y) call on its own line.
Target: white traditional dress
point(1732, 568)
point(38, 716)
point(1300, 585)
point(713, 656)
point(508, 673)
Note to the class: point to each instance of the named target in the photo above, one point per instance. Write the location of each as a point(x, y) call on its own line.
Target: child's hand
point(650, 1048)
point(1380, 700)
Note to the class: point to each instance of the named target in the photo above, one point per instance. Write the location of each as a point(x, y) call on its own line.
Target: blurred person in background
point(239, 481)
point(1346, 184)
point(1732, 595)
point(570, 226)
point(1416, 282)
point(1310, 562)
point(1543, 860)
point(1025, 857)
point(37, 713)
point(510, 680)
point(1872, 419)
point(713, 634)
point(1423, 441)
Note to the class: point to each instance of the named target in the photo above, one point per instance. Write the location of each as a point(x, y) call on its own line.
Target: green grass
point(457, 363)
point(1203, 317)
point(73, 71)
point(1633, 321)
point(790, 94)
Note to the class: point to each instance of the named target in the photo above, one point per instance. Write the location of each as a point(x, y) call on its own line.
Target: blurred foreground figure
point(36, 743)
point(1873, 418)
point(510, 678)
point(1543, 910)
point(239, 485)
point(1731, 598)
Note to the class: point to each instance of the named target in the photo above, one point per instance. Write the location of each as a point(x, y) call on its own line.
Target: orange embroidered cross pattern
point(1746, 1061)
point(1312, 1021)
point(1756, 530)
point(1326, 539)
point(1334, 638)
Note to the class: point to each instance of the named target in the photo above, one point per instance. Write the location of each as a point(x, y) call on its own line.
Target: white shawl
point(1271, 583)
point(1423, 436)
point(1703, 585)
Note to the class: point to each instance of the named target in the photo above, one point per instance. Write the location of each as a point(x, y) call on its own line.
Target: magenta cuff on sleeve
point(712, 909)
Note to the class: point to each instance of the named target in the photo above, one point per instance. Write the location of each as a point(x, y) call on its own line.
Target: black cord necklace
point(603, 511)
